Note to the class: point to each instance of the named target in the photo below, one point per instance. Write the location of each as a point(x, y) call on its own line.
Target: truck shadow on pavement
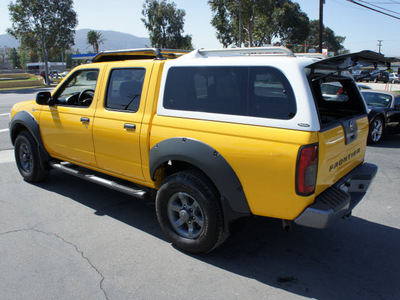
point(354, 259)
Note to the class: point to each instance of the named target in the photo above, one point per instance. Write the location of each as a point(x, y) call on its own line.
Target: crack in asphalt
point(69, 243)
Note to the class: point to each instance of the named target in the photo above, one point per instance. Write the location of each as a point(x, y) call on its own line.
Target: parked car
point(383, 115)
point(333, 91)
point(361, 75)
point(382, 76)
point(394, 78)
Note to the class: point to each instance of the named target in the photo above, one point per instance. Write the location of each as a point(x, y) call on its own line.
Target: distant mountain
point(113, 40)
point(8, 40)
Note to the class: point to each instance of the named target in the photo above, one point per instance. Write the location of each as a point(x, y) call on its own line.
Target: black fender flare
point(209, 161)
point(28, 121)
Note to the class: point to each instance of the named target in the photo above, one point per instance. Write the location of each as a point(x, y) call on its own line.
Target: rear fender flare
point(209, 161)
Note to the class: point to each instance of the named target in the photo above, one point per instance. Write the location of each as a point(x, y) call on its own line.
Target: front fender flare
point(26, 120)
point(209, 161)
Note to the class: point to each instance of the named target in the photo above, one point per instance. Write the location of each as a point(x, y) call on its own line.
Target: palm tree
point(95, 38)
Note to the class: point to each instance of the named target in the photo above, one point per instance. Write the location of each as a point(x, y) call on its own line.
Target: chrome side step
point(99, 180)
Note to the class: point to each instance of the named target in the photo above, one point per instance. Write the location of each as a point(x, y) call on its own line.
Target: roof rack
point(272, 50)
point(133, 54)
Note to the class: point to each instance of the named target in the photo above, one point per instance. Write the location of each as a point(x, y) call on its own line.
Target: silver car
point(394, 78)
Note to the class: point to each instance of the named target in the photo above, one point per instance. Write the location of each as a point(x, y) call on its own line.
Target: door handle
point(85, 120)
point(129, 126)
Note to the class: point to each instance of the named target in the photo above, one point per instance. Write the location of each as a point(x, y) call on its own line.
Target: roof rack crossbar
point(138, 53)
point(272, 50)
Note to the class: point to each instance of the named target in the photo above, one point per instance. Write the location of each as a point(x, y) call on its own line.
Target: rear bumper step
point(99, 180)
point(338, 200)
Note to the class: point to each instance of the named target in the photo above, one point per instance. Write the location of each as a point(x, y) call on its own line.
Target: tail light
point(340, 91)
point(306, 170)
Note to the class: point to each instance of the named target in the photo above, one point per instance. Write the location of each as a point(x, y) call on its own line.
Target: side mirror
point(43, 98)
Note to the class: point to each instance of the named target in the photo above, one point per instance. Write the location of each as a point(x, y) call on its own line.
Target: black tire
point(376, 129)
point(189, 212)
point(28, 159)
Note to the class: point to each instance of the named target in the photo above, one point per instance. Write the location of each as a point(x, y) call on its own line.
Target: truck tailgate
point(341, 149)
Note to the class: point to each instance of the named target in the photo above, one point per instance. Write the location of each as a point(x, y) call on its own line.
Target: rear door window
point(125, 89)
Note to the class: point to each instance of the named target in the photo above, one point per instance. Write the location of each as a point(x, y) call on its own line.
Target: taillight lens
point(306, 170)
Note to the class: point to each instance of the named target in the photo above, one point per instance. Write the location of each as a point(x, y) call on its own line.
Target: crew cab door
point(118, 121)
point(66, 124)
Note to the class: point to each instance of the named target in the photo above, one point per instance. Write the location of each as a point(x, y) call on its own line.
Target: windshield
point(377, 99)
point(78, 82)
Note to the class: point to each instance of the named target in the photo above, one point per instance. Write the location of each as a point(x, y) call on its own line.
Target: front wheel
point(376, 130)
point(28, 159)
point(189, 212)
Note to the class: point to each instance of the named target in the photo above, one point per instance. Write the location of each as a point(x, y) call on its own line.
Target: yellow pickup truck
point(213, 136)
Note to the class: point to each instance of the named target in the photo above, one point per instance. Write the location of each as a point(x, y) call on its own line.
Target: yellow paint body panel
point(335, 158)
point(265, 161)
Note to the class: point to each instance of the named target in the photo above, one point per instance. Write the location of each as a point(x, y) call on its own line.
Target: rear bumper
point(340, 199)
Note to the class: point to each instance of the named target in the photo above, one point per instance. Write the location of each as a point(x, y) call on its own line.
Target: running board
point(99, 180)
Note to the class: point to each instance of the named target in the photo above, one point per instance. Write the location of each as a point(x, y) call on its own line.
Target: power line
point(373, 9)
point(370, 3)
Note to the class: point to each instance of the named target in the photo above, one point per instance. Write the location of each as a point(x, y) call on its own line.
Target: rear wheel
point(28, 159)
point(189, 212)
point(376, 130)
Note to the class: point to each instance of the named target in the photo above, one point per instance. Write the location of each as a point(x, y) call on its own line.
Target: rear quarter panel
point(264, 161)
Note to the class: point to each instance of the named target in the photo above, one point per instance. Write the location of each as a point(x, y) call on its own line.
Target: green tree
point(95, 38)
point(293, 24)
point(4, 54)
point(16, 63)
point(43, 25)
point(165, 25)
point(24, 57)
point(260, 20)
point(68, 60)
point(333, 42)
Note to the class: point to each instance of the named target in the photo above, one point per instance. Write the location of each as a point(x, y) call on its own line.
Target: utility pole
point(240, 24)
point(321, 24)
point(380, 45)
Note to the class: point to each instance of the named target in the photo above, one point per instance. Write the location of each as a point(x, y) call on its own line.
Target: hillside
point(113, 40)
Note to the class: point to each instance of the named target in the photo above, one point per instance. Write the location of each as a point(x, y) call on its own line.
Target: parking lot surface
point(69, 239)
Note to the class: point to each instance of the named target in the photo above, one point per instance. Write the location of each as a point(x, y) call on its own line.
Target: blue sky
point(361, 27)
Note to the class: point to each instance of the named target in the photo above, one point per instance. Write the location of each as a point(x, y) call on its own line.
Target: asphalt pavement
point(69, 239)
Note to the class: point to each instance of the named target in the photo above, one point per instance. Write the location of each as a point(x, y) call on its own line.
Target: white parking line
point(7, 114)
point(6, 156)
point(4, 130)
